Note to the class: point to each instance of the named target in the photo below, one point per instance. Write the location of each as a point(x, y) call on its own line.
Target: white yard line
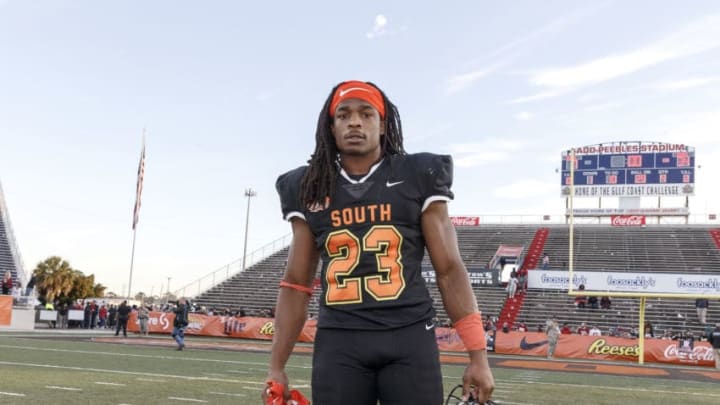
point(151, 380)
point(700, 394)
point(149, 356)
point(12, 394)
point(188, 399)
point(100, 370)
point(55, 387)
point(109, 383)
point(227, 393)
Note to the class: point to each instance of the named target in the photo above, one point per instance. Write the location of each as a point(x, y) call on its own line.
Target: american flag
point(140, 175)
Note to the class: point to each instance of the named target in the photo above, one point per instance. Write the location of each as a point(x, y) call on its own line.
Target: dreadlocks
point(318, 183)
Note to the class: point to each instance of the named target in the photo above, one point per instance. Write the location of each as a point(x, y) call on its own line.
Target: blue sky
point(230, 92)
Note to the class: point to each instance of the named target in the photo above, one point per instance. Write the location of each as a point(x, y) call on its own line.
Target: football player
point(367, 210)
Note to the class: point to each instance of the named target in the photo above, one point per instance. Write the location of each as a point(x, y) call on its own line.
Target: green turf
point(106, 373)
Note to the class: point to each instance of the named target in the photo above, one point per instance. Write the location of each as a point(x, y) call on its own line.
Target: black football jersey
point(370, 240)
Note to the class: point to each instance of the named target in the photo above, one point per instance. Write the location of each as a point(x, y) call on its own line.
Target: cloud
point(700, 36)
point(537, 96)
point(687, 83)
point(486, 152)
point(379, 27)
point(523, 116)
point(524, 189)
point(264, 96)
point(463, 81)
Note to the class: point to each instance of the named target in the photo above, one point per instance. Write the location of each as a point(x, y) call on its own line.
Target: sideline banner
point(650, 283)
point(6, 304)
point(219, 326)
point(526, 344)
point(606, 348)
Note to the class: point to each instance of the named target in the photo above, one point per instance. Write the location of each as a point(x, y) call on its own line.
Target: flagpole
point(132, 260)
point(136, 211)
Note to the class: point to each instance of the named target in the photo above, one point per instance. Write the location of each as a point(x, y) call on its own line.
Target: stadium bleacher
point(9, 258)
point(661, 248)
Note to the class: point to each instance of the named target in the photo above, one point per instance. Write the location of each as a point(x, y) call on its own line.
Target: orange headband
point(361, 90)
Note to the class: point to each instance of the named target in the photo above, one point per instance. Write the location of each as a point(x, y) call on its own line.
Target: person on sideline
point(180, 323)
point(552, 329)
point(367, 210)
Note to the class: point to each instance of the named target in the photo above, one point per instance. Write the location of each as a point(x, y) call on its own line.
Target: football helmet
point(455, 398)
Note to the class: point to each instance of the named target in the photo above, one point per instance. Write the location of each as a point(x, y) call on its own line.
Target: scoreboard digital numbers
point(630, 169)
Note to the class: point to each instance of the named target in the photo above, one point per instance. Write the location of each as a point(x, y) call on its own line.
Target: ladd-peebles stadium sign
point(628, 169)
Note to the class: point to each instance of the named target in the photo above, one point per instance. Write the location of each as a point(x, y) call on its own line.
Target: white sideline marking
point(149, 356)
point(55, 387)
point(109, 383)
point(150, 380)
point(700, 394)
point(188, 399)
point(227, 393)
point(12, 394)
point(238, 371)
point(100, 370)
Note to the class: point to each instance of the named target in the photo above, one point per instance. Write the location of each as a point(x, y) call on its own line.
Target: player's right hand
point(279, 377)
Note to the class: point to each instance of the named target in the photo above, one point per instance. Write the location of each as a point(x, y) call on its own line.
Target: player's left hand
point(478, 380)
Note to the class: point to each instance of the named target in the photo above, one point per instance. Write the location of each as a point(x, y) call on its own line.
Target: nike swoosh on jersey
point(429, 326)
point(524, 345)
point(344, 92)
point(388, 184)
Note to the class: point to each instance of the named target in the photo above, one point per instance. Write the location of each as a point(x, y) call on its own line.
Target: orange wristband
point(471, 331)
point(302, 288)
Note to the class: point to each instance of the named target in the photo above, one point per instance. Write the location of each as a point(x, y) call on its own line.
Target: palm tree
point(54, 278)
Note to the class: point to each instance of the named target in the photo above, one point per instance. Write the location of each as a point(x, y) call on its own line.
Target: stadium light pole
point(249, 193)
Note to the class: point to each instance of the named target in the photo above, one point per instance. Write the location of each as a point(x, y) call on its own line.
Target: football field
point(56, 368)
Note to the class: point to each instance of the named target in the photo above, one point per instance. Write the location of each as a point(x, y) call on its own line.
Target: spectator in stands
point(566, 329)
point(714, 340)
point(512, 286)
point(605, 302)
point(16, 292)
point(649, 330)
point(505, 327)
point(581, 300)
point(701, 306)
point(490, 323)
point(594, 331)
point(553, 333)
point(7, 283)
point(30, 285)
point(583, 330)
point(522, 276)
point(522, 327)
point(593, 302)
point(545, 261)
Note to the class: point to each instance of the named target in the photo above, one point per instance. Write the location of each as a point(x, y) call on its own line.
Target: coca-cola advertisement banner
point(628, 220)
point(465, 221)
point(646, 283)
point(606, 348)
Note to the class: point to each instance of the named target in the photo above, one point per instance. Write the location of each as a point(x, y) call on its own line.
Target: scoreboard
point(630, 169)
